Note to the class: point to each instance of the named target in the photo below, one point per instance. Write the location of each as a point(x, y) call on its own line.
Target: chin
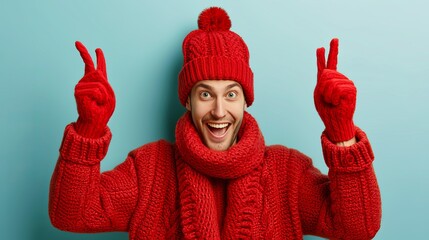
point(222, 146)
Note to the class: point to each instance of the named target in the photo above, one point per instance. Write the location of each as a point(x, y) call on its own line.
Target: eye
point(232, 95)
point(204, 95)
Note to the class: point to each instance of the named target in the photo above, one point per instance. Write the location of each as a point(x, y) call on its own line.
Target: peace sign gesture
point(94, 96)
point(334, 96)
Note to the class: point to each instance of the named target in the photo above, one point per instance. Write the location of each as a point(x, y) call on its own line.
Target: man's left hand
point(334, 97)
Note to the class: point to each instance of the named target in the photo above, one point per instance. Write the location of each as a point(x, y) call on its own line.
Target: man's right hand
point(95, 98)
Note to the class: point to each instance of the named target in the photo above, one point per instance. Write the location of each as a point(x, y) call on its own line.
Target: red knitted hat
point(213, 52)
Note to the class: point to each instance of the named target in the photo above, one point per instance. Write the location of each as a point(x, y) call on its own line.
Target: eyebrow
point(233, 85)
point(203, 85)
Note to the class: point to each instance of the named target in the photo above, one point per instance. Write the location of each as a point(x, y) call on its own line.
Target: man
point(218, 180)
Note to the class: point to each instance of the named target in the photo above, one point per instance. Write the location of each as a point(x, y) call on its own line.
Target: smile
point(218, 130)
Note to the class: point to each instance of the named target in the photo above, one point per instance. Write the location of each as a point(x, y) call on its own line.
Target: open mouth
point(218, 130)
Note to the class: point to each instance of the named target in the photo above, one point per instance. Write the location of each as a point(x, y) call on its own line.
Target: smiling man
point(217, 108)
point(218, 180)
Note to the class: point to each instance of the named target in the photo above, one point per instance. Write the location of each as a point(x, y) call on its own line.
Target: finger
point(89, 64)
point(320, 54)
point(329, 93)
point(337, 89)
point(101, 62)
point(335, 92)
point(93, 94)
point(96, 79)
point(94, 76)
point(330, 74)
point(94, 90)
point(344, 94)
point(333, 54)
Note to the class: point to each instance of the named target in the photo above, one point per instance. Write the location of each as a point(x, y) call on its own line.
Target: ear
point(188, 104)
point(245, 106)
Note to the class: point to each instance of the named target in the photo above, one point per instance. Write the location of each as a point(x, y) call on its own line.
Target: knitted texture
point(213, 52)
point(95, 98)
point(241, 164)
point(158, 193)
point(334, 97)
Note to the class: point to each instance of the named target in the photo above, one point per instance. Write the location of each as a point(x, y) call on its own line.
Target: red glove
point(95, 98)
point(334, 97)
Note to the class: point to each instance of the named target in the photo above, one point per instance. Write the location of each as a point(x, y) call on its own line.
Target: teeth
point(219, 125)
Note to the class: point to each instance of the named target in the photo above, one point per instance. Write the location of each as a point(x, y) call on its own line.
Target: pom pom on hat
point(214, 19)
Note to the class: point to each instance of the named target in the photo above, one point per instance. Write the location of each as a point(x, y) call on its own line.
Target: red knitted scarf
point(199, 171)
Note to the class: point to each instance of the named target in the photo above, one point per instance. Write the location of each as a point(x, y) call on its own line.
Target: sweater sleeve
point(83, 200)
point(345, 204)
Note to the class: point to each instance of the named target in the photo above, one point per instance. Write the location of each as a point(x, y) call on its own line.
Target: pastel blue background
point(383, 48)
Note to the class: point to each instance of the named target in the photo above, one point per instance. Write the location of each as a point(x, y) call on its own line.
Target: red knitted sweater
point(187, 191)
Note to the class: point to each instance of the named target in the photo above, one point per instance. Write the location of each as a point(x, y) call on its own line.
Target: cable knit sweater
point(184, 190)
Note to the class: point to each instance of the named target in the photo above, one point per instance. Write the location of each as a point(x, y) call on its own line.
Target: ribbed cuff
point(81, 150)
point(354, 158)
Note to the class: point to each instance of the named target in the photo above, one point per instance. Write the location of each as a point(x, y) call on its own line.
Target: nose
point(218, 110)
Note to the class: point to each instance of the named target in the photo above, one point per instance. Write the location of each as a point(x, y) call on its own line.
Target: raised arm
point(81, 199)
point(345, 204)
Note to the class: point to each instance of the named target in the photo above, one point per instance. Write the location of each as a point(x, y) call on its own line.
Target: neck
point(237, 160)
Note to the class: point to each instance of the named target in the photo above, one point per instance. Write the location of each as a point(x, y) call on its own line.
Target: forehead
point(217, 85)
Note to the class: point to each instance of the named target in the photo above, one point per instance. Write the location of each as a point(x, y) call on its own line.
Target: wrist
point(340, 131)
point(347, 143)
point(89, 130)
